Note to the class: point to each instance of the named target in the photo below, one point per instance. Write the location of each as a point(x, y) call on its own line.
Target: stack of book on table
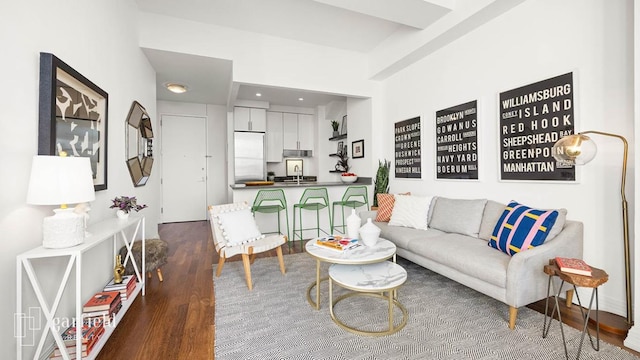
point(125, 288)
point(103, 304)
point(92, 329)
point(337, 243)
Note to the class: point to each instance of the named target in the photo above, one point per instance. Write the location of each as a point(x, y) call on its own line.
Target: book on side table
point(573, 266)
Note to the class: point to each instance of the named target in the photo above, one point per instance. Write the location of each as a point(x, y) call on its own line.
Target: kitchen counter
point(293, 193)
point(288, 184)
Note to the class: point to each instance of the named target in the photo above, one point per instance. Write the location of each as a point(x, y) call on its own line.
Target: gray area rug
point(446, 320)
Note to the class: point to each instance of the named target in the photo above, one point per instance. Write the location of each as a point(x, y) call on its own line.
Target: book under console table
point(98, 233)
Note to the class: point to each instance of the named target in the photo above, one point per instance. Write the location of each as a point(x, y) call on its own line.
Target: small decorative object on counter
point(369, 233)
point(353, 224)
point(348, 177)
point(125, 204)
point(271, 176)
point(118, 270)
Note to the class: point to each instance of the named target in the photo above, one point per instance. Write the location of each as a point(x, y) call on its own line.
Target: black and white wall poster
point(532, 119)
point(408, 151)
point(457, 142)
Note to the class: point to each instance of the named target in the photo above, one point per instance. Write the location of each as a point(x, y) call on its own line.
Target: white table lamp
point(61, 180)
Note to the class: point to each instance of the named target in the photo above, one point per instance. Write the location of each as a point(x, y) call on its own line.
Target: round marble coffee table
point(383, 250)
point(369, 280)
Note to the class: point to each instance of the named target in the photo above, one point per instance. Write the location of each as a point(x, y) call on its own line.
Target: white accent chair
point(248, 250)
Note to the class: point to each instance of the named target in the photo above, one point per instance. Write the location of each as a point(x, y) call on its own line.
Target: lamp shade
point(57, 180)
point(577, 149)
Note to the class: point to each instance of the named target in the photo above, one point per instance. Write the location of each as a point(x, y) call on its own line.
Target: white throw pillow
point(238, 227)
point(411, 211)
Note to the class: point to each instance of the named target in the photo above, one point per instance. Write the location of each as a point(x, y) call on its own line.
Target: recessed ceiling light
point(258, 94)
point(300, 99)
point(176, 88)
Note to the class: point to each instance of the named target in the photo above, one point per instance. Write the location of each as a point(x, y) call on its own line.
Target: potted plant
point(126, 204)
point(335, 125)
point(271, 175)
point(381, 183)
point(343, 161)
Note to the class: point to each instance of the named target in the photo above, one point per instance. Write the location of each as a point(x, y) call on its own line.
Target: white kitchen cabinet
point(274, 136)
point(290, 131)
point(298, 131)
point(249, 119)
point(306, 131)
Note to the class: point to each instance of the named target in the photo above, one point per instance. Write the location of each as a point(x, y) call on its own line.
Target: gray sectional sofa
point(455, 245)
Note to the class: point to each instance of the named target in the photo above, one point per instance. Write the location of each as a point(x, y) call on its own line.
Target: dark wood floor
point(175, 320)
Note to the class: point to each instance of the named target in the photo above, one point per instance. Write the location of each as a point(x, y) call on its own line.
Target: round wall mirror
point(139, 135)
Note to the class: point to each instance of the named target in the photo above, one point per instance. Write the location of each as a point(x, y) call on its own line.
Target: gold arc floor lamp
point(579, 149)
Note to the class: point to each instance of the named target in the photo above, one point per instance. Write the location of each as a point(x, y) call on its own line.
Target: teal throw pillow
point(521, 227)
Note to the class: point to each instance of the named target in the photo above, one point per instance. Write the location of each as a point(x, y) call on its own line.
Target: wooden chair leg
point(280, 259)
point(159, 272)
point(569, 299)
point(513, 314)
point(247, 270)
point(220, 265)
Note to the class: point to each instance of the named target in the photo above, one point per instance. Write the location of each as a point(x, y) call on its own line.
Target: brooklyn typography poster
point(457, 142)
point(408, 152)
point(532, 119)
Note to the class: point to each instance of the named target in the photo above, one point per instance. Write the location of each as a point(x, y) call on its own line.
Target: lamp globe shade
point(574, 149)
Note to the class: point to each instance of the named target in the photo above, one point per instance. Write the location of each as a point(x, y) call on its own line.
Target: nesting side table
point(597, 278)
point(369, 280)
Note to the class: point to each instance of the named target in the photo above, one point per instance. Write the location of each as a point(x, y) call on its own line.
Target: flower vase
point(369, 233)
point(353, 224)
point(122, 215)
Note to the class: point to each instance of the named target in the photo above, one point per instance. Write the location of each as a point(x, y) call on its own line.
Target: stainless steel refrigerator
point(250, 160)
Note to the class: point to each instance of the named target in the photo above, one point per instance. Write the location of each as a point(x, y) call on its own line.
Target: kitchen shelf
point(339, 137)
point(336, 171)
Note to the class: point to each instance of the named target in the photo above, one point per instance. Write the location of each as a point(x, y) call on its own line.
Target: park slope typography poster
point(532, 119)
point(407, 150)
point(457, 142)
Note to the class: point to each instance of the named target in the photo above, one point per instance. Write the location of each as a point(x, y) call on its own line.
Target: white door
point(184, 186)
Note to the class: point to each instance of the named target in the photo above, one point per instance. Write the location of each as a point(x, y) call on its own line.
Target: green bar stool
point(271, 201)
point(354, 197)
point(314, 199)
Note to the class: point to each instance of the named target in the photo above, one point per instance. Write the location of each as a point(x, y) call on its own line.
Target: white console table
point(100, 232)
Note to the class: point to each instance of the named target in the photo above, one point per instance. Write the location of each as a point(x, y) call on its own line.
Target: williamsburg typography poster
point(532, 119)
point(457, 142)
point(407, 150)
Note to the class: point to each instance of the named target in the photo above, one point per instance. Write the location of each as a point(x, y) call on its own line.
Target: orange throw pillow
point(385, 207)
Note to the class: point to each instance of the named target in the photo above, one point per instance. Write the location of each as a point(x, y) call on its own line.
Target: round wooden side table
point(597, 278)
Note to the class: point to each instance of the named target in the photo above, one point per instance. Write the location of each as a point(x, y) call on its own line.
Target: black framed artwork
point(532, 118)
point(72, 116)
point(357, 149)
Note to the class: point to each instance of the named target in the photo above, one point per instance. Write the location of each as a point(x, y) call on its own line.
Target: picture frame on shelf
point(71, 107)
point(340, 145)
point(343, 126)
point(357, 149)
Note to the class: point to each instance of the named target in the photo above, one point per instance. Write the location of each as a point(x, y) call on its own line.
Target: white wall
point(534, 41)
point(216, 116)
point(84, 36)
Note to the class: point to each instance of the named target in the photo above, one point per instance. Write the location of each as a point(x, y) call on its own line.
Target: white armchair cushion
point(238, 226)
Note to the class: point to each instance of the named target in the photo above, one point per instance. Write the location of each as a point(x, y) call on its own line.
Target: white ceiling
point(356, 25)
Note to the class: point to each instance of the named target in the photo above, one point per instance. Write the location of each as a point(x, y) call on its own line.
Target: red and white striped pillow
point(385, 206)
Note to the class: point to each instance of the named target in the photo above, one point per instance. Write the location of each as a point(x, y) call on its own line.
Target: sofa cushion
point(385, 207)
point(521, 227)
point(401, 236)
point(459, 216)
point(410, 211)
point(465, 254)
point(559, 224)
point(492, 212)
